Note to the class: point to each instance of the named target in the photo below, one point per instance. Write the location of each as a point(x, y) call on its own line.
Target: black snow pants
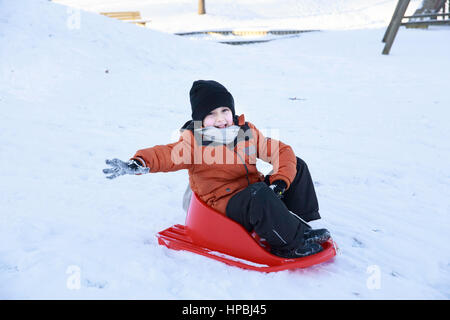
point(258, 209)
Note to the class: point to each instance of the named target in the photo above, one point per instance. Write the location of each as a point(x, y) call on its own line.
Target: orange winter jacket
point(218, 171)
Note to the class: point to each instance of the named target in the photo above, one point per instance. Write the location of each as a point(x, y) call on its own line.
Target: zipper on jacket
point(246, 169)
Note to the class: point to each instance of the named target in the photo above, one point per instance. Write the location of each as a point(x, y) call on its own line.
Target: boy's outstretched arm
point(161, 158)
point(170, 157)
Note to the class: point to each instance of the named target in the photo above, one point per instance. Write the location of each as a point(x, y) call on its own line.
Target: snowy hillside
point(372, 128)
point(181, 15)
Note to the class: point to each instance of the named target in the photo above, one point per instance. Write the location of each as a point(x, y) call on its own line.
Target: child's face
point(220, 117)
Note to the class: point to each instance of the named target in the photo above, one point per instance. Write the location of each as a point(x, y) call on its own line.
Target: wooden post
point(396, 21)
point(390, 23)
point(201, 7)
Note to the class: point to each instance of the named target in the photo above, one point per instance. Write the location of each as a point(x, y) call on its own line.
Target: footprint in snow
point(395, 274)
point(8, 268)
point(357, 243)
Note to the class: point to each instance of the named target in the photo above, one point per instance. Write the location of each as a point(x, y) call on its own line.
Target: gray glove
point(120, 168)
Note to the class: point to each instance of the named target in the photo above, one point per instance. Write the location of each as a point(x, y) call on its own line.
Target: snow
point(76, 90)
point(181, 15)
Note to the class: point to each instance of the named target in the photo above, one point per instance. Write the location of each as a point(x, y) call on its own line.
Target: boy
point(219, 150)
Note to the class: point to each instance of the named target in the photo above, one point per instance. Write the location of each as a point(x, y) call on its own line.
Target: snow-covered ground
point(77, 88)
point(181, 15)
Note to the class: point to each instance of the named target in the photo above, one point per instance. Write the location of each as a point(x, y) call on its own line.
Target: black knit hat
point(206, 95)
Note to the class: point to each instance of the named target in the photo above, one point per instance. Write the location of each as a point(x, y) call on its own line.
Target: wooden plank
point(240, 32)
point(395, 25)
point(127, 16)
point(112, 13)
point(249, 33)
point(426, 23)
point(139, 22)
point(427, 15)
point(123, 15)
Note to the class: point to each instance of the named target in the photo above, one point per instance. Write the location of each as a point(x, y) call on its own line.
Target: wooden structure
point(246, 33)
point(441, 17)
point(201, 7)
point(127, 16)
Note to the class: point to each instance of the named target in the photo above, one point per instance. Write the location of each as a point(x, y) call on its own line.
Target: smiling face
point(220, 117)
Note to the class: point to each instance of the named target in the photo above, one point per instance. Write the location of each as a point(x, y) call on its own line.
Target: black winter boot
point(299, 252)
point(316, 236)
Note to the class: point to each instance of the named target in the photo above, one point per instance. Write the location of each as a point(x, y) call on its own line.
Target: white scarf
point(225, 135)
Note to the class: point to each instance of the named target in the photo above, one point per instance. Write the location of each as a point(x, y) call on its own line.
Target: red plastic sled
point(213, 235)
